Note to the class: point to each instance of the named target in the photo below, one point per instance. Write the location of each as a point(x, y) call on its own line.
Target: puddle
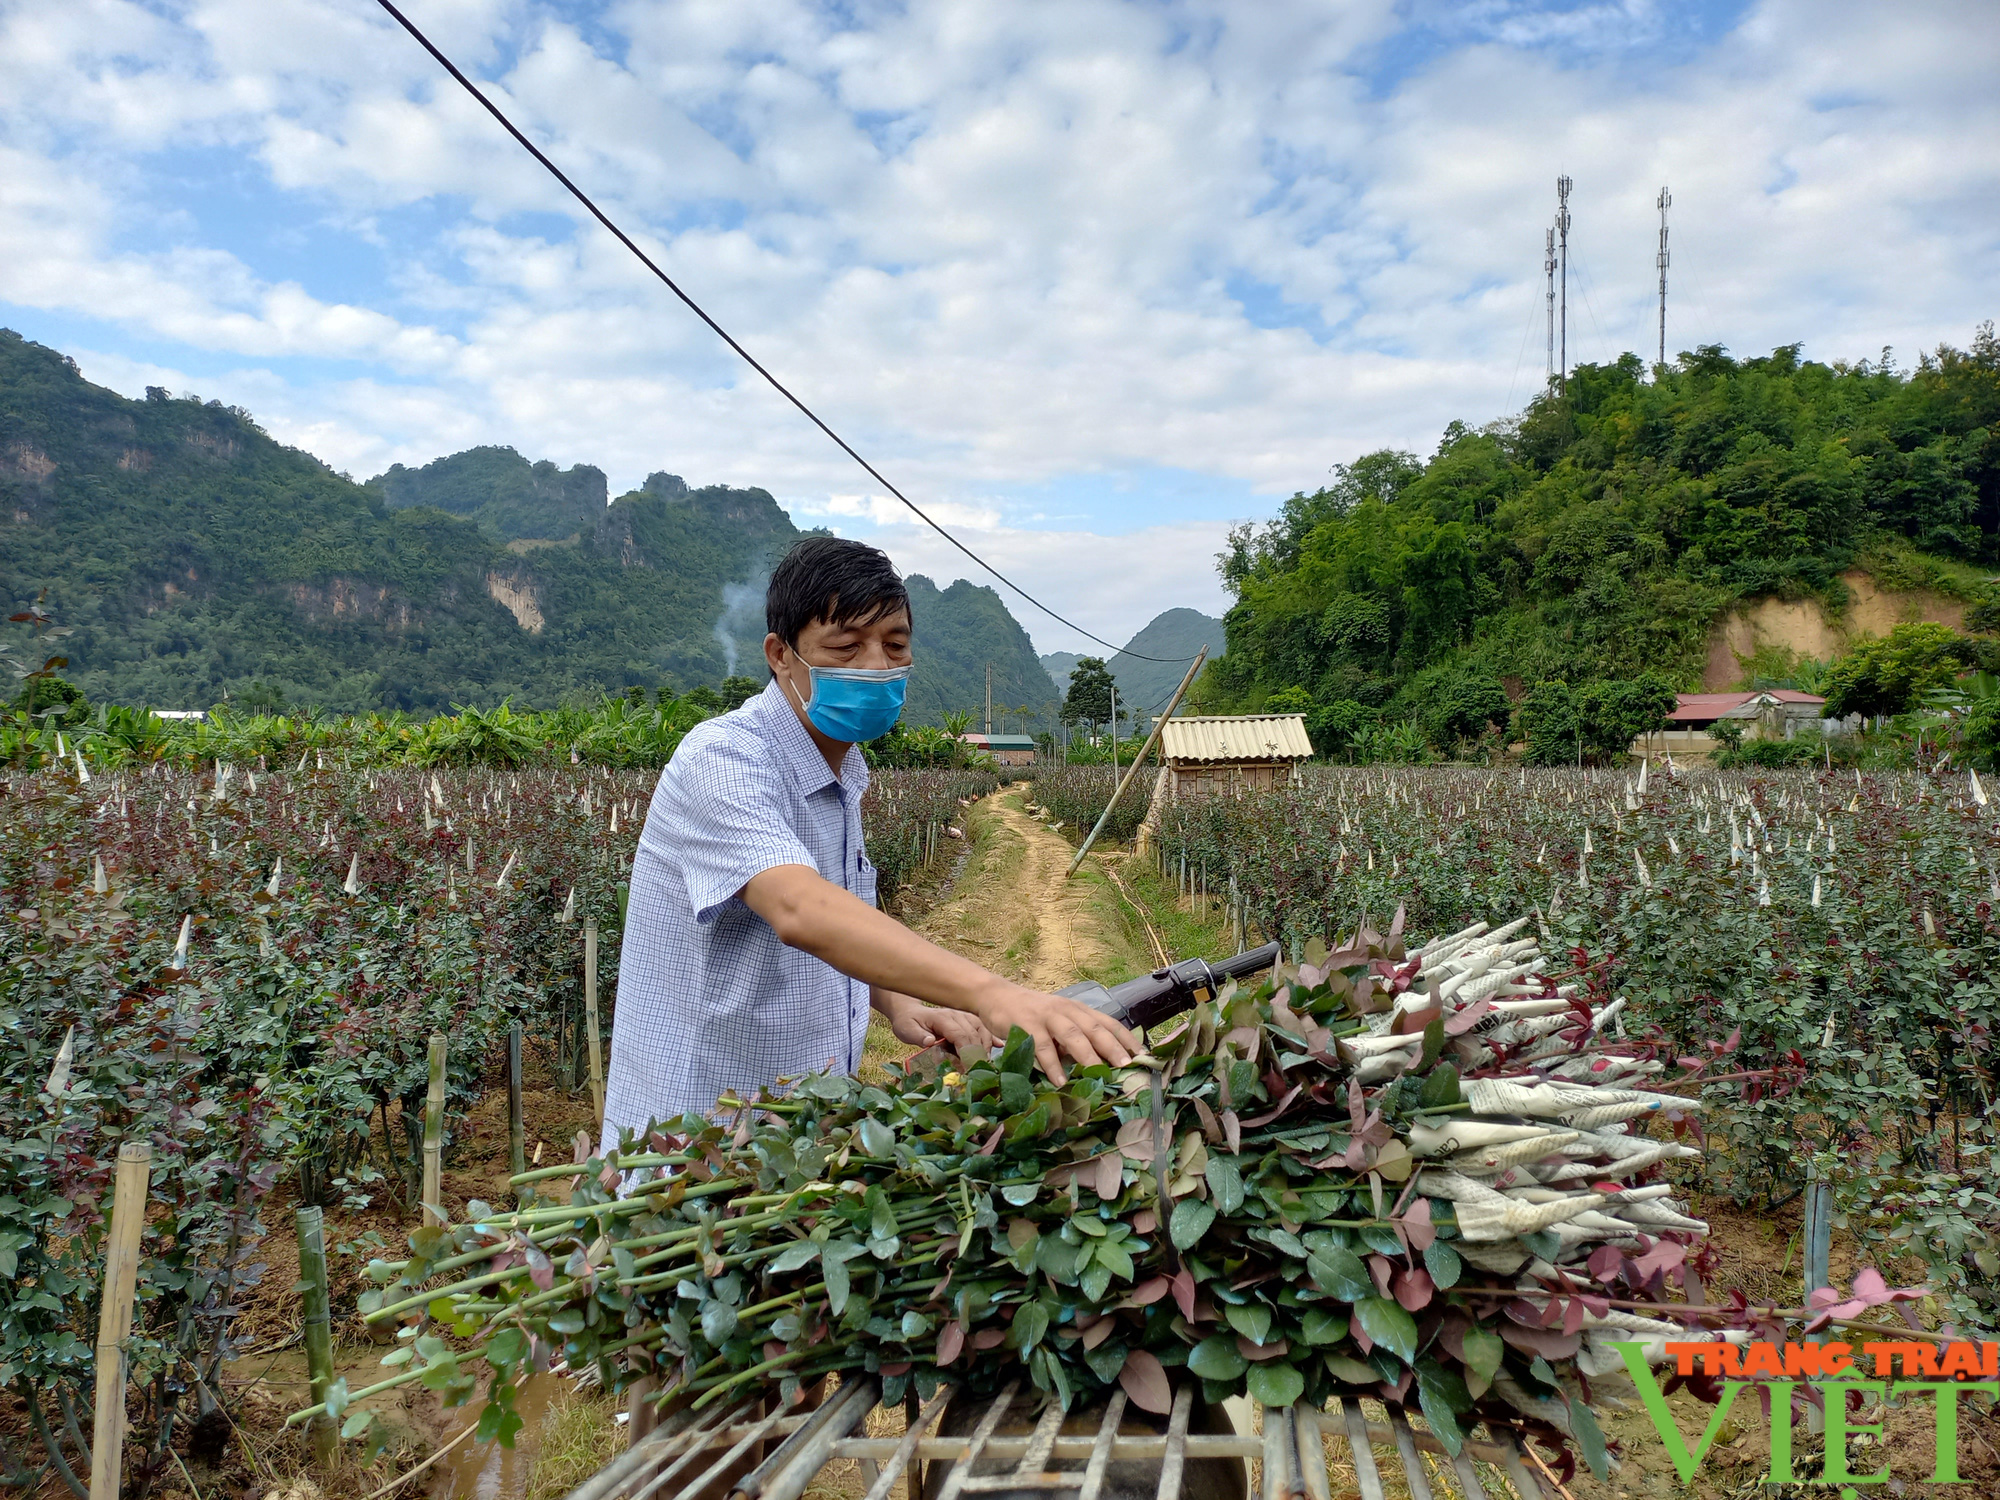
point(486, 1471)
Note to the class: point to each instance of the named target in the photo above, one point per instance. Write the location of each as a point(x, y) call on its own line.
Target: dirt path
point(1013, 911)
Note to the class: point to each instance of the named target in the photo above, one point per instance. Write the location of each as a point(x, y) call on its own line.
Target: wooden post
point(1818, 1233)
point(317, 1326)
point(517, 1126)
point(590, 1017)
point(114, 1319)
point(434, 1134)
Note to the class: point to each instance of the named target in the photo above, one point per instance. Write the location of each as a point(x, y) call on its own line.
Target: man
point(753, 949)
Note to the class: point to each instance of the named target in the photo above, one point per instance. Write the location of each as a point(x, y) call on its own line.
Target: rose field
point(243, 969)
point(242, 964)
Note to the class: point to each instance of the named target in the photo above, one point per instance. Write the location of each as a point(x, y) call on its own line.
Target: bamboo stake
point(317, 1327)
point(517, 1125)
point(434, 1133)
point(1137, 761)
point(590, 1017)
point(114, 1320)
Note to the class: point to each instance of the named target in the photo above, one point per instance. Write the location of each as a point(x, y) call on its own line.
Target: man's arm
point(810, 913)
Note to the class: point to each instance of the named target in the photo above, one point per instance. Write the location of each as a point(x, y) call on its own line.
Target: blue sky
point(1091, 280)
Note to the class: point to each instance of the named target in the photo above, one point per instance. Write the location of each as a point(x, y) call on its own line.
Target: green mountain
point(960, 631)
point(1176, 634)
point(194, 557)
point(512, 498)
point(1059, 664)
point(1613, 527)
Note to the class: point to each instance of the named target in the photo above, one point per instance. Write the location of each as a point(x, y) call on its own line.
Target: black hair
point(834, 579)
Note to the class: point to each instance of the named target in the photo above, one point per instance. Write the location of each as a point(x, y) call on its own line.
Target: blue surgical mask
point(855, 704)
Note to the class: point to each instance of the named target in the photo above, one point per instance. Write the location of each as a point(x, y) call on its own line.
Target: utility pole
point(989, 698)
point(1549, 271)
point(1664, 202)
point(1562, 244)
point(1114, 726)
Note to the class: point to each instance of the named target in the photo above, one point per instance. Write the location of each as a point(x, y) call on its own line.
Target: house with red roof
point(1769, 705)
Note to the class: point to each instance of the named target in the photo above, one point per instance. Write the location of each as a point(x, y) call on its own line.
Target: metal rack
point(720, 1454)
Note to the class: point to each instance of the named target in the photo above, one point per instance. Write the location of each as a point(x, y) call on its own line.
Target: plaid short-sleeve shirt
point(708, 999)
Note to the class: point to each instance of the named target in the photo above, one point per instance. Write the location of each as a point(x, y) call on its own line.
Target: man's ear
point(774, 653)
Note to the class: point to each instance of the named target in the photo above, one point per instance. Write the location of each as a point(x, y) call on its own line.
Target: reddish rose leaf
point(1149, 1291)
point(1359, 1334)
point(1381, 1268)
point(1605, 1262)
point(1464, 1020)
point(1414, 1289)
point(1256, 1352)
point(989, 1338)
point(1145, 1383)
point(951, 1342)
point(1210, 1126)
point(1663, 1255)
point(1183, 1284)
point(1135, 1139)
point(1451, 1334)
point(1110, 1175)
point(1145, 1221)
point(1270, 1115)
point(1548, 1342)
point(992, 1140)
point(540, 1271)
point(1416, 1226)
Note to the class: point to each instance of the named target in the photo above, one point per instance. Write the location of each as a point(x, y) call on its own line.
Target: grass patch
point(579, 1436)
point(1185, 933)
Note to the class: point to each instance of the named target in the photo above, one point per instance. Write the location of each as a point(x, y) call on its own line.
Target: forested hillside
point(512, 498)
point(194, 557)
point(1604, 533)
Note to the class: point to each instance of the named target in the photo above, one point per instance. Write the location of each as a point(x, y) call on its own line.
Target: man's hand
point(813, 915)
point(1061, 1028)
point(924, 1025)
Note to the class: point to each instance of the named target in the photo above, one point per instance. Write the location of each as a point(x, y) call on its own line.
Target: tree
point(1090, 689)
point(1463, 705)
point(1595, 722)
point(736, 691)
point(1890, 675)
point(1333, 727)
point(47, 694)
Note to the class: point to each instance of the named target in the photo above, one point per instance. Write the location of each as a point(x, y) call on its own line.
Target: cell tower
point(1549, 271)
point(1664, 202)
point(1562, 321)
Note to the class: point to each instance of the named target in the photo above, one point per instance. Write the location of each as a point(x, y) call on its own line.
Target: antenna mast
point(1664, 202)
point(1562, 244)
point(1549, 271)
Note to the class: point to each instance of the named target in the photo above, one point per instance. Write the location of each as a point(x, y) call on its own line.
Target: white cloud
point(1109, 586)
point(997, 247)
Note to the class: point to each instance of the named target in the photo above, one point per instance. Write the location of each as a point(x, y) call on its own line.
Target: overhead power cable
point(722, 333)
